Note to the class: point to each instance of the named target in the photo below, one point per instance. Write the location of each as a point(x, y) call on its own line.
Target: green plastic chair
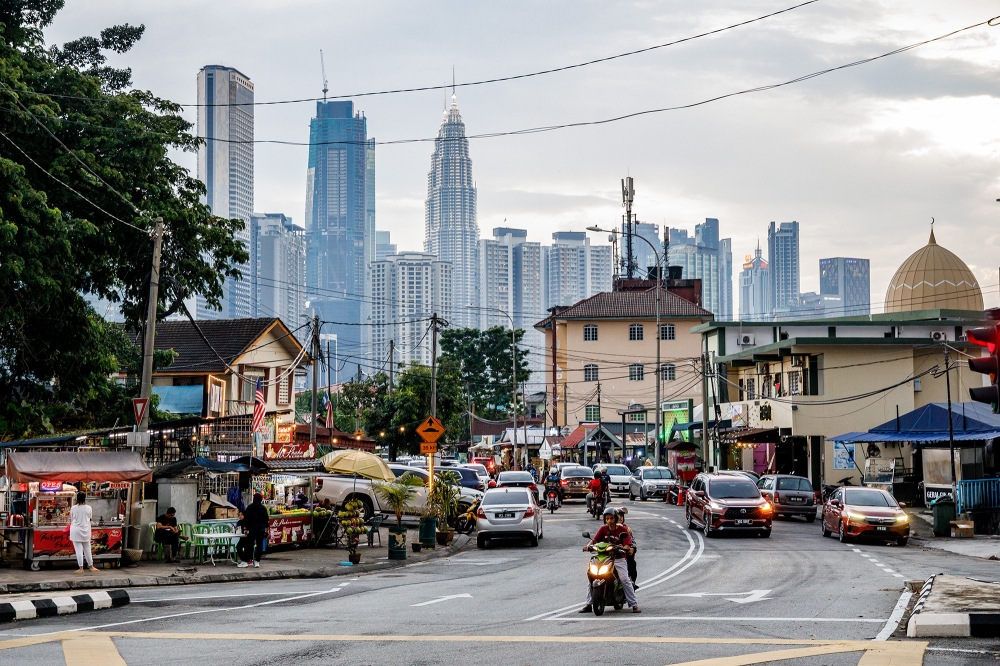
point(200, 547)
point(185, 546)
point(155, 548)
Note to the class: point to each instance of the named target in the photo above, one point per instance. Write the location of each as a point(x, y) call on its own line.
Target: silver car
point(509, 513)
point(650, 482)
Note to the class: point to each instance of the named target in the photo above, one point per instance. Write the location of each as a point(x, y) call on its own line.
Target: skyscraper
point(699, 262)
point(708, 258)
point(339, 219)
point(726, 308)
point(225, 165)
point(575, 269)
point(783, 257)
point(845, 286)
point(755, 289)
point(277, 268)
point(645, 258)
point(451, 231)
point(383, 245)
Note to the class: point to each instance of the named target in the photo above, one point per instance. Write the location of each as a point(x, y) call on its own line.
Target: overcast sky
point(861, 158)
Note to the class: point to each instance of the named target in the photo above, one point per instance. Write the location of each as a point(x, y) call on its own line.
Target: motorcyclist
point(552, 481)
point(606, 480)
point(630, 556)
point(617, 535)
point(596, 490)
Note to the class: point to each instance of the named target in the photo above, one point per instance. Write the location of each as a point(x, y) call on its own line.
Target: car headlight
point(855, 517)
point(649, 486)
point(903, 518)
point(766, 508)
point(715, 507)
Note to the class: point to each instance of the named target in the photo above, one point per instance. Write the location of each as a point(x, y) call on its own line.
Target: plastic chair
point(184, 546)
point(155, 548)
point(374, 523)
point(200, 546)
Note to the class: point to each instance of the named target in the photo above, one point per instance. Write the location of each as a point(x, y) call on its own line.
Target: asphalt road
point(701, 599)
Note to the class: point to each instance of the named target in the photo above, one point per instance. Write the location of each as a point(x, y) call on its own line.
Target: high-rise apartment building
point(225, 165)
point(277, 268)
point(845, 286)
point(698, 262)
point(645, 258)
point(339, 219)
point(755, 289)
point(575, 269)
point(726, 308)
point(451, 230)
point(383, 245)
point(783, 258)
point(406, 290)
point(708, 258)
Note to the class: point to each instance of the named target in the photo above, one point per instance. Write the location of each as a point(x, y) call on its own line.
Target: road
point(795, 596)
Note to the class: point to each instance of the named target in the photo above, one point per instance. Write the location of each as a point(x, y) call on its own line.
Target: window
point(285, 386)
point(590, 333)
point(592, 413)
point(668, 372)
point(250, 383)
point(668, 332)
point(590, 373)
point(751, 388)
point(795, 383)
point(637, 416)
point(636, 372)
point(635, 332)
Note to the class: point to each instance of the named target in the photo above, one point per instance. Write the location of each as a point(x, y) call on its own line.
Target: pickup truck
point(340, 489)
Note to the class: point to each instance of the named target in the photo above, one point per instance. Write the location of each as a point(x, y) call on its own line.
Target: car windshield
point(516, 477)
point(578, 471)
point(732, 489)
point(657, 474)
point(503, 498)
point(480, 469)
point(794, 484)
point(868, 498)
point(618, 470)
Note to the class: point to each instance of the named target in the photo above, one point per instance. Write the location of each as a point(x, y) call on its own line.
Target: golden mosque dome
point(933, 278)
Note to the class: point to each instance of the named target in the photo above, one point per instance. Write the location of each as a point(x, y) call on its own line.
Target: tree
point(484, 362)
point(84, 171)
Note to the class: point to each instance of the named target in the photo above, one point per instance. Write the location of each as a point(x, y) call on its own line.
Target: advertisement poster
point(289, 529)
point(843, 455)
point(56, 543)
point(675, 414)
point(289, 450)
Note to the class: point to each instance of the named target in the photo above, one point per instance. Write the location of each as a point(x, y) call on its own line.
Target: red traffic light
point(986, 336)
point(989, 337)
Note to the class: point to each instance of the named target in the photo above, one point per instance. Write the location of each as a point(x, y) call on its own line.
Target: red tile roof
point(574, 438)
point(631, 305)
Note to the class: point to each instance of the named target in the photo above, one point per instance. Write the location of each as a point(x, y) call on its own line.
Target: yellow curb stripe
point(772, 655)
point(29, 640)
point(895, 653)
point(87, 649)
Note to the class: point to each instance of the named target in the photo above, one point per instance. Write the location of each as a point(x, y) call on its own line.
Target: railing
point(978, 494)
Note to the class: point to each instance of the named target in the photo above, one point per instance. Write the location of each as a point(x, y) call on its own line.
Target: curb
point(952, 625)
point(239, 575)
point(27, 609)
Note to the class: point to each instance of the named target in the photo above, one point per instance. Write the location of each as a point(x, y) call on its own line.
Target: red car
point(727, 503)
point(865, 512)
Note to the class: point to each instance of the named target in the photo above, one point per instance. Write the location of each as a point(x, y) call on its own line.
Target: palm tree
point(399, 494)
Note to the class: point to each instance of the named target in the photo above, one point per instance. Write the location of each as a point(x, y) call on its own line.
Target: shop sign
point(56, 543)
point(289, 450)
point(289, 529)
point(285, 432)
point(120, 485)
point(50, 486)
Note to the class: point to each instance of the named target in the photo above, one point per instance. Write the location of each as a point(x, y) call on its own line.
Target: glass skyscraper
point(783, 257)
point(451, 230)
point(340, 220)
point(845, 286)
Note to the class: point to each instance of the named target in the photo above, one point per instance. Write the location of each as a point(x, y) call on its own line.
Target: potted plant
point(354, 526)
point(444, 500)
point(398, 496)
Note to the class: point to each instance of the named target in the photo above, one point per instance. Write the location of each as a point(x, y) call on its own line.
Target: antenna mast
point(322, 67)
point(628, 195)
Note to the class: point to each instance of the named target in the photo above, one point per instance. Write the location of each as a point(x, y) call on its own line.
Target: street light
point(513, 373)
point(659, 278)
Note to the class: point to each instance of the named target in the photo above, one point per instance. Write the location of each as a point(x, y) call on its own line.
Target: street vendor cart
point(45, 486)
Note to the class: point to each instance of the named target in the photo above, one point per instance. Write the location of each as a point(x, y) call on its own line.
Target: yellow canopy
point(357, 462)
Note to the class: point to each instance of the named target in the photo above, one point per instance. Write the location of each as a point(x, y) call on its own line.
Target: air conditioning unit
point(745, 339)
point(939, 336)
point(798, 361)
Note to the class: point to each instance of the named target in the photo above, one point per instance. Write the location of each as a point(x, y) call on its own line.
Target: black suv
point(789, 495)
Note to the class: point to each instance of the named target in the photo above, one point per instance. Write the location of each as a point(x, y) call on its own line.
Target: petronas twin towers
point(451, 231)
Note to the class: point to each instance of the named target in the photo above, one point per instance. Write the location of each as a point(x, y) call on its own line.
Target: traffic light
point(989, 337)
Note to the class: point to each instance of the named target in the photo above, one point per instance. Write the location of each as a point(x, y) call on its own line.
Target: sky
point(862, 158)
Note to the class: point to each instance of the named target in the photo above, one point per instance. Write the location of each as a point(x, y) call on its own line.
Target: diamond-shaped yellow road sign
point(430, 430)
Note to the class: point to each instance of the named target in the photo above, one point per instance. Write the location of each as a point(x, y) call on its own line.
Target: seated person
point(168, 534)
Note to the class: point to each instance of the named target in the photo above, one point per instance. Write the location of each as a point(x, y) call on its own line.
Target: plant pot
point(428, 528)
point(416, 546)
point(355, 558)
point(444, 537)
point(397, 542)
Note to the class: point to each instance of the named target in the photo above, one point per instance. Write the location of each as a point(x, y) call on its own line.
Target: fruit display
point(352, 523)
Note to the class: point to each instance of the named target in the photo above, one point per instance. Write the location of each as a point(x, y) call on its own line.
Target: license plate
point(796, 499)
point(505, 514)
point(743, 521)
point(880, 529)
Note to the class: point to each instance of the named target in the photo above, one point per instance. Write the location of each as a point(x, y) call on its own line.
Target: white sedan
point(620, 475)
point(509, 513)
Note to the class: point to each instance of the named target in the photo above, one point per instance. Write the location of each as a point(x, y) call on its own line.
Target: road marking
point(440, 599)
point(625, 616)
point(856, 550)
point(754, 595)
point(223, 596)
point(899, 575)
point(894, 617)
point(91, 650)
point(771, 655)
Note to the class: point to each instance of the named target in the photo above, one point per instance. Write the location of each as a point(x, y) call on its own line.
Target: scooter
point(552, 498)
point(466, 523)
point(605, 588)
point(597, 507)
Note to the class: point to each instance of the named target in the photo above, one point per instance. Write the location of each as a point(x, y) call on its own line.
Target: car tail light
point(564, 482)
point(481, 514)
point(777, 498)
point(533, 487)
point(529, 513)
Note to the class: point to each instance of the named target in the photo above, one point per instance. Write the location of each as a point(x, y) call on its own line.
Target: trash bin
point(428, 531)
point(944, 512)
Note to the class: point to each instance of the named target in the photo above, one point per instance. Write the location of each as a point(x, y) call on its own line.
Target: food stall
point(285, 470)
point(44, 487)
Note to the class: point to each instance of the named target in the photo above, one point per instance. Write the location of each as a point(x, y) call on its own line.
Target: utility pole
point(434, 356)
point(392, 351)
point(708, 450)
point(565, 406)
point(659, 368)
point(329, 395)
point(598, 403)
point(513, 386)
point(315, 378)
point(524, 419)
point(146, 381)
point(951, 427)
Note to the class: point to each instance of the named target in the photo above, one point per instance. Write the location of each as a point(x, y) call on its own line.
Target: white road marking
point(754, 595)
point(856, 550)
point(899, 575)
point(629, 617)
point(444, 598)
point(895, 617)
point(222, 596)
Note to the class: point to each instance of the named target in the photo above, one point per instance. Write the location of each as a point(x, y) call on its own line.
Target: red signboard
point(289, 529)
point(56, 543)
point(289, 450)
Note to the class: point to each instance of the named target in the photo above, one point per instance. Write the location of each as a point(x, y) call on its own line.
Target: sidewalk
point(291, 563)
point(956, 606)
point(982, 546)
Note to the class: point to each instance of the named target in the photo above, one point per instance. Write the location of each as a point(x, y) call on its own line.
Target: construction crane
point(322, 67)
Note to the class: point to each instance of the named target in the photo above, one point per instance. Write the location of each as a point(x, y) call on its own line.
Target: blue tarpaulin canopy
point(970, 421)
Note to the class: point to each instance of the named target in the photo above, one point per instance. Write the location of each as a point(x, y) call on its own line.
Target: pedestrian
point(80, 517)
point(168, 534)
point(255, 522)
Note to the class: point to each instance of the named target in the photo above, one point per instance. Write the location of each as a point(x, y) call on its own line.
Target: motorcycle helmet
point(610, 512)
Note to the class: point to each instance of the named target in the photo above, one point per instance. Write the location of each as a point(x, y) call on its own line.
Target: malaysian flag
point(258, 406)
point(329, 409)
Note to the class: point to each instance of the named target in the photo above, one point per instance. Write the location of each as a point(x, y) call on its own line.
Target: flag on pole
point(329, 409)
point(258, 406)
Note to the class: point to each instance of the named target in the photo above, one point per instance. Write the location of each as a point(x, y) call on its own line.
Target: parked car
point(469, 477)
point(789, 495)
point(865, 512)
point(480, 470)
point(574, 480)
point(753, 476)
point(508, 513)
point(649, 482)
point(517, 480)
point(620, 476)
point(727, 503)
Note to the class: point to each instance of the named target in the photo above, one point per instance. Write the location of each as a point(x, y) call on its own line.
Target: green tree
point(484, 362)
point(84, 170)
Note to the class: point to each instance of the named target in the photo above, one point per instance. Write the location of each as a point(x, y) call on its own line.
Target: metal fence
point(978, 494)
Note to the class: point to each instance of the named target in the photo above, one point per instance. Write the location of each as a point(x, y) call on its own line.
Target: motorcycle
point(465, 523)
point(597, 507)
point(829, 490)
point(552, 498)
point(605, 588)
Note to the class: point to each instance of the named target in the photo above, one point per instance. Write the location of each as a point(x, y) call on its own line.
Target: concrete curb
point(942, 625)
point(26, 609)
point(236, 575)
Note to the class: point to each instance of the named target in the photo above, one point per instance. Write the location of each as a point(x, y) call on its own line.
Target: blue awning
point(970, 421)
